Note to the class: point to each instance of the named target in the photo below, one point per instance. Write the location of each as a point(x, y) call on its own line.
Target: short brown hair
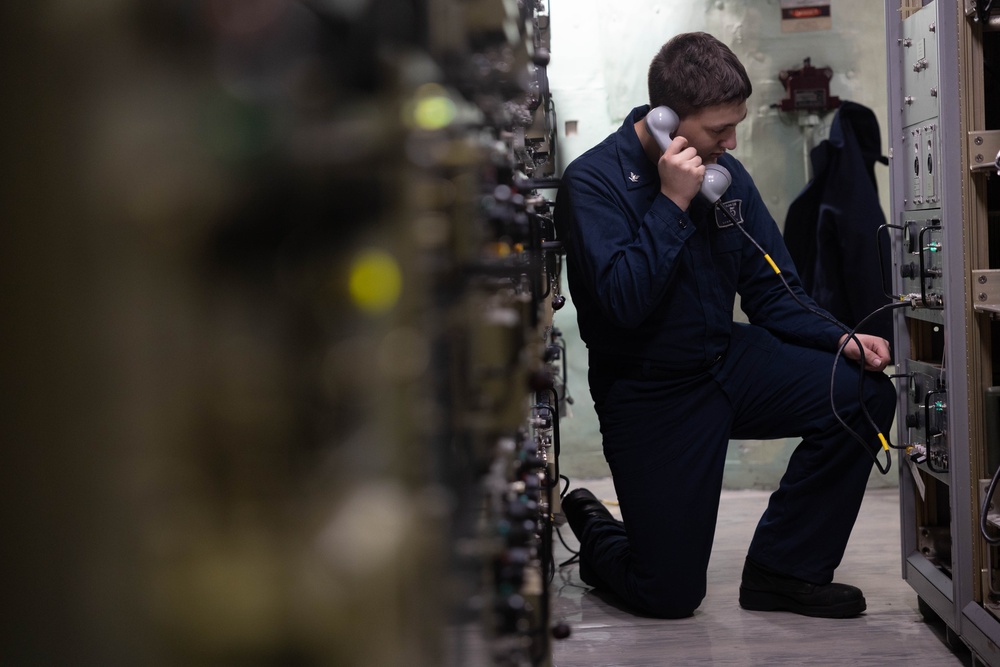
point(694, 70)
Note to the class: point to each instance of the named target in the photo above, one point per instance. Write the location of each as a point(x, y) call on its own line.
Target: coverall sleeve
point(764, 298)
point(627, 263)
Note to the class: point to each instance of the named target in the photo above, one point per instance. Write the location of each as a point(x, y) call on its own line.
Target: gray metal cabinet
point(943, 145)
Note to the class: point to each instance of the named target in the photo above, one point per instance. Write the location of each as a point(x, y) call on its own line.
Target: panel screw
point(982, 296)
point(982, 280)
point(979, 158)
point(978, 141)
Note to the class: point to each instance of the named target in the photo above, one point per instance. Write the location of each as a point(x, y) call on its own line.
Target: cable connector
point(917, 453)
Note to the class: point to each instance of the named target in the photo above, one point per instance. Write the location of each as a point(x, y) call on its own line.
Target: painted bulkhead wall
point(600, 56)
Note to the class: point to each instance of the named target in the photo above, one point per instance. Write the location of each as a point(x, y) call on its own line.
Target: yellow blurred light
point(375, 281)
point(431, 108)
point(434, 113)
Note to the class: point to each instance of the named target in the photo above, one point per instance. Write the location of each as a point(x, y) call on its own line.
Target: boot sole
point(766, 601)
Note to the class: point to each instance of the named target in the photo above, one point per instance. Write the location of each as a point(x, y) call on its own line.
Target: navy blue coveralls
point(674, 378)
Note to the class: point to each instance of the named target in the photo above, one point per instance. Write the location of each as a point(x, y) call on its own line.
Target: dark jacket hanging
point(831, 227)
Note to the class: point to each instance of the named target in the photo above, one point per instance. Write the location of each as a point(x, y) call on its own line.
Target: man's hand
point(876, 351)
point(681, 172)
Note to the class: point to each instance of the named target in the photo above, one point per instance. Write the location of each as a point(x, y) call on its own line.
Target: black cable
point(923, 283)
point(927, 427)
point(985, 509)
point(557, 448)
point(886, 444)
point(542, 250)
point(861, 376)
point(833, 406)
point(983, 11)
point(553, 131)
point(551, 481)
point(569, 561)
point(850, 336)
point(548, 557)
point(556, 438)
point(878, 253)
point(561, 343)
point(576, 554)
point(569, 549)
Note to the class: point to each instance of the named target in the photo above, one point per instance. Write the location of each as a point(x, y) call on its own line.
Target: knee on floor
point(670, 603)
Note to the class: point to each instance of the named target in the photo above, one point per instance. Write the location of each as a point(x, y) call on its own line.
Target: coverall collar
point(636, 168)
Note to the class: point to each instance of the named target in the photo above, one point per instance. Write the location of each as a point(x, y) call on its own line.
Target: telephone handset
point(661, 123)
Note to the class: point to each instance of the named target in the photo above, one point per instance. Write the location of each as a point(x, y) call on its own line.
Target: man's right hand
point(681, 172)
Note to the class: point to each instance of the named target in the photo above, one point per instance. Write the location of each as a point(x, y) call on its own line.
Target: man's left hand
point(876, 351)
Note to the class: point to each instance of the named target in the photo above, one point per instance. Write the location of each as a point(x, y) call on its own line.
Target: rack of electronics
point(286, 272)
point(944, 129)
point(487, 170)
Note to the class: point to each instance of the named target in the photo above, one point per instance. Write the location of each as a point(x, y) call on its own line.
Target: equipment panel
point(947, 252)
point(920, 68)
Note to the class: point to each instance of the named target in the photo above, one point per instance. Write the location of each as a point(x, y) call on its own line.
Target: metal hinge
point(986, 290)
point(984, 149)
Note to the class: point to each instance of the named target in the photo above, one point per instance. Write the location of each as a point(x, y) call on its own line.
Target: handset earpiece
point(662, 122)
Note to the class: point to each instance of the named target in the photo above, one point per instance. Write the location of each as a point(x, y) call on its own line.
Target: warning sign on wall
point(805, 15)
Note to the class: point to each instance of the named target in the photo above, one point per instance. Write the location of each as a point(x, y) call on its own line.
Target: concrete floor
point(891, 632)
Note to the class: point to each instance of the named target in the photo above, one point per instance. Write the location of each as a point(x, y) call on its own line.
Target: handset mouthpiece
point(717, 181)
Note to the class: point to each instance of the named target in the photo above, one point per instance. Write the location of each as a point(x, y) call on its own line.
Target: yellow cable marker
point(771, 262)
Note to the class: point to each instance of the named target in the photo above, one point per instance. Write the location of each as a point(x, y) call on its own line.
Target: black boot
point(582, 508)
point(764, 590)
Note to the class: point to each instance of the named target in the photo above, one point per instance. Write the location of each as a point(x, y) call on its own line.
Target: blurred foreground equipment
point(280, 380)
